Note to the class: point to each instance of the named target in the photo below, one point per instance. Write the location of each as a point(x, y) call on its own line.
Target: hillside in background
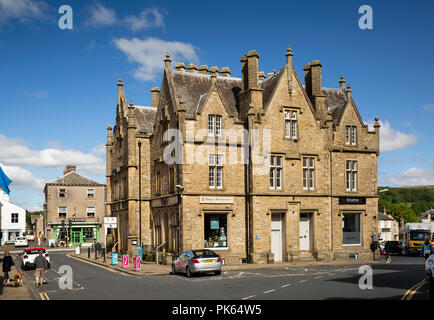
point(411, 202)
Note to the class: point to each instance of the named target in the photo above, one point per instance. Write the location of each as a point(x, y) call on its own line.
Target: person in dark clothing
point(41, 266)
point(387, 249)
point(7, 264)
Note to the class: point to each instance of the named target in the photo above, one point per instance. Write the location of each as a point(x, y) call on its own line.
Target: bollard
point(96, 256)
point(88, 252)
point(103, 253)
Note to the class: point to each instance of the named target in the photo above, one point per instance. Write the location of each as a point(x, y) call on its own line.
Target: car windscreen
point(419, 235)
point(34, 251)
point(204, 254)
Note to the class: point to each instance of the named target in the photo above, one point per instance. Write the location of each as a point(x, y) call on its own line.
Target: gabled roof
point(269, 85)
point(335, 101)
point(428, 213)
point(382, 216)
point(145, 117)
point(194, 87)
point(74, 179)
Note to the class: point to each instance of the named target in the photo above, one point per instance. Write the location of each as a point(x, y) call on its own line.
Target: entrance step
point(306, 256)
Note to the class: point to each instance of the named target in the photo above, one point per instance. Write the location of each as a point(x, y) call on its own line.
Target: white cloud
point(15, 152)
point(391, 139)
point(148, 18)
point(21, 10)
point(149, 54)
point(411, 177)
point(22, 179)
point(429, 107)
point(101, 16)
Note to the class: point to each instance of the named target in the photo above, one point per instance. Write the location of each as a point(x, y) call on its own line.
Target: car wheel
point(188, 272)
point(217, 273)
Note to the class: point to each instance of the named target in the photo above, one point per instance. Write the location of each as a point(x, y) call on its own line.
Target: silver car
point(197, 261)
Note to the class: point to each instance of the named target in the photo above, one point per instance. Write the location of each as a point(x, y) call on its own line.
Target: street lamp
point(140, 194)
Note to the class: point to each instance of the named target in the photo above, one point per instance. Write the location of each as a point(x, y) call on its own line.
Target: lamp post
point(140, 194)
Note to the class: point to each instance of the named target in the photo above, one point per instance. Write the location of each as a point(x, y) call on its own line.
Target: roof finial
point(167, 60)
point(342, 82)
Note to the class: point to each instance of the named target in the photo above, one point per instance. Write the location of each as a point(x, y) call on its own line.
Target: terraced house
point(261, 168)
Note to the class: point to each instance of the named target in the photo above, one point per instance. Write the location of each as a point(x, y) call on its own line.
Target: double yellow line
point(410, 292)
point(44, 296)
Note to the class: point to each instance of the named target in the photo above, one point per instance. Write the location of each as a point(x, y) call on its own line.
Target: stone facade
point(75, 209)
point(297, 171)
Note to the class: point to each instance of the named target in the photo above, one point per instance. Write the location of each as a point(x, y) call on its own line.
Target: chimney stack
point(315, 77)
point(203, 69)
point(252, 69)
point(225, 72)
point(261, 75)
point(155, 95)
point(180, 66)
point(69, 168)
point(192, 68)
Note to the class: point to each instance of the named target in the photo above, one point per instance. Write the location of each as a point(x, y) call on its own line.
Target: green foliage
point(149, 257)
point(408, 202)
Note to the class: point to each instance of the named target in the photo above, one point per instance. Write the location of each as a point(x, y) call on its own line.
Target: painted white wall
point(6, 210)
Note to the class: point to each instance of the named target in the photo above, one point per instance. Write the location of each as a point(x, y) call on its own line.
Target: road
point(391, 281)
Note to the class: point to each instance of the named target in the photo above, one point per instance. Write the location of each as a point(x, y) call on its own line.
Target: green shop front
point(75, 233)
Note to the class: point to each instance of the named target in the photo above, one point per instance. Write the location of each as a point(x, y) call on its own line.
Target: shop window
point(216, 231)
point(62, 212)
point(88, 235)
point(351, 229)
point(90, 212)
point(14, 218)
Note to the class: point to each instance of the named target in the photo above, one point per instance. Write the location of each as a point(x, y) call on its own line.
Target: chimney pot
point(69, 168)
point(180, 66)
point(203, 69)
point(192, 68)
point(225, 72)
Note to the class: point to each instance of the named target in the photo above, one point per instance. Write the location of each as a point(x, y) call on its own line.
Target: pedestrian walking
point(426, 249)
point(41, 265)
point(7, 264)
point(39, 240)
point(387, 249)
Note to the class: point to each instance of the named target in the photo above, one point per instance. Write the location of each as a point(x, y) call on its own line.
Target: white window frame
point(351, 135)
point(58, 211)
point(15, 216)
point(87, 212)
point(291, 124)
point(351, 175)
point(64, 194)
point(215, 172)
point(308, 173)
point(276, 172)
point(93, 193)
point(214, 125)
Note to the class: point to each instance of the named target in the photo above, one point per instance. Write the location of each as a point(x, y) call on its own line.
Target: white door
point(304, 232)
point(276, 236)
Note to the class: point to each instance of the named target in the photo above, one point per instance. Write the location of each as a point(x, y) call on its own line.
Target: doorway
point(276, 236)
point(305, 235)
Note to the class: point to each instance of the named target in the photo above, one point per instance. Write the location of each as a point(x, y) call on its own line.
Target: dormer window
point(291, 124)
point(351, 135)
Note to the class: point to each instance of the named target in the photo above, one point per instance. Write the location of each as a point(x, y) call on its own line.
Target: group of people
point(41, 267)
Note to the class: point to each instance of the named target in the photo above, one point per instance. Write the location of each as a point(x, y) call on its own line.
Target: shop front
point(75, 233)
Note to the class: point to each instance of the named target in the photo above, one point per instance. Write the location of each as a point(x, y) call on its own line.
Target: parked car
point(30, 236)
point(197, 261)
point(429, 268)
point(21, 242)
point(394, 247)
point(29, 255)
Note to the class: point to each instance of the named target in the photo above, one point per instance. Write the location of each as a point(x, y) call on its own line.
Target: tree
point(402, 209)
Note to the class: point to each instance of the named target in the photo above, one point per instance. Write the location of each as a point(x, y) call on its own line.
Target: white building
point(388, 227)
point(12, 219)
point(428, 216)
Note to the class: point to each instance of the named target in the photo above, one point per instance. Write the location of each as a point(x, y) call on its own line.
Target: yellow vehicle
point(414, 238)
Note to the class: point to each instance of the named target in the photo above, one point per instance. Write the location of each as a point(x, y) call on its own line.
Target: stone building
point(75, 209)
point(259, 168)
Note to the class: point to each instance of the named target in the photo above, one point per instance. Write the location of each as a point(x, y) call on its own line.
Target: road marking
point(269, 291)
point(301, 281)
point(42, 296)
point(248, 297)
point(410, 292)
point(46, 295)
point(285, 285)
point(318, 277)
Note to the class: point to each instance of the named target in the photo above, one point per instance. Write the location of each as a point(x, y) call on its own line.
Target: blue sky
point(58, 87)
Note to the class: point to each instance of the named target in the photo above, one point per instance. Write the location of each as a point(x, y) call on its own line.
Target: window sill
point(217, 248)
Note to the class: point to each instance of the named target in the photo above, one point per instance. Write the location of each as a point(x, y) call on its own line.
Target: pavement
point(10, 292)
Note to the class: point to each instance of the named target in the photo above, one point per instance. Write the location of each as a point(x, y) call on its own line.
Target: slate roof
point(335, 101)
point(194, 88)
point(382, 216)
point(145, 117)
point(74, 179)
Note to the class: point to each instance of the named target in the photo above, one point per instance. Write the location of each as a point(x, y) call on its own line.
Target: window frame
point(351, 175)
point(351, 136)
point(87, 193)
point(87, 212)
point(309, 178)
point(360, 224)
point(217, 213)
point(214, 126)
point(59, 193)
point(214, 166)
point(291, 124)
point(276, 171)
point(13, 216)
point(58, 212)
